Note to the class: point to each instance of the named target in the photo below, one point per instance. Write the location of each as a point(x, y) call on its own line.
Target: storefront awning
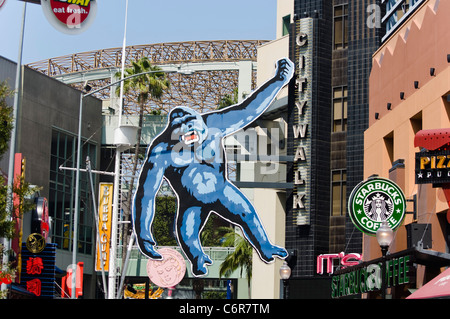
point(432, 139)
point(426, 257)
point(439, 287)
point(401, 266)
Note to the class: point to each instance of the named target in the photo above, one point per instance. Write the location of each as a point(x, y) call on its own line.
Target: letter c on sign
point(302, 39)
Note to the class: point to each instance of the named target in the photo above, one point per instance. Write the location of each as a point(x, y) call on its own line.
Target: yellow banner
point(104, 226)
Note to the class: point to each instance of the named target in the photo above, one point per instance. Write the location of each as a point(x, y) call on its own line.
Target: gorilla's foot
point(199, 265)
point(148, 249)
point(267, 253)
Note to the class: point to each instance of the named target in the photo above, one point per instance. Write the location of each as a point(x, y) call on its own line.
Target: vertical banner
point(302, 120)
point(38, 267)
point(104, 226)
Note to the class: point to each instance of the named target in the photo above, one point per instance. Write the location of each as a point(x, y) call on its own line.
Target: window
point(389, 144)
point(397, 12)
point(340, 109)
point(286, 24)
point(233, 164)
point(340, 26)
point(62, 192)
point(338, 192)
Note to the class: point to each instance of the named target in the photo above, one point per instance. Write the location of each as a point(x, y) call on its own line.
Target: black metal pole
point(285, 288)
point(384, 250)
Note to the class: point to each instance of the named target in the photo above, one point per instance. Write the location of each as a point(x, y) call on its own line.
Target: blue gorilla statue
point(189, 155)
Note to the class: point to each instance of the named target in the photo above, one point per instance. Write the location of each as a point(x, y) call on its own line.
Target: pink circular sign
point(168, 272)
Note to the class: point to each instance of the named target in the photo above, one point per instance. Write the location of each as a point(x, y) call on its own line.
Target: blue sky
point(149, 21)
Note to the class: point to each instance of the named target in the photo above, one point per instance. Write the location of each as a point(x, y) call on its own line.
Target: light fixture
point(384, 235)
point(402, 95)
point(185, 71)
point(389, 106)
point(86, 86)
point(416, 84)
point(285, 273)
point(432, 71)
point(377, 115)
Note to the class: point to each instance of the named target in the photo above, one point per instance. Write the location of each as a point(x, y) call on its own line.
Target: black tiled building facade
point(341, 61)
point(364, 40)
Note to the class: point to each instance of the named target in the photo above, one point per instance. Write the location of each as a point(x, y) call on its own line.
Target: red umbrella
point(438, 287)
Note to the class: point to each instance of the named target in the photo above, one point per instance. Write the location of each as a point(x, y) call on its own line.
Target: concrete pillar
point(269, 204)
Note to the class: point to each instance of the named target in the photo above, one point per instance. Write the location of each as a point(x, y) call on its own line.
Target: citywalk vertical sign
point(70, 16)
point(303, 50)
point(104, 226)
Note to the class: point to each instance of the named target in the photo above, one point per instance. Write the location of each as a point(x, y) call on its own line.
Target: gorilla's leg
point(237, 209)
point(189, 224)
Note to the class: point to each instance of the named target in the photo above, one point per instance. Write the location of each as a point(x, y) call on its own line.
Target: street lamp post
point(12, 144)
point(285, 273)
point(384, 235)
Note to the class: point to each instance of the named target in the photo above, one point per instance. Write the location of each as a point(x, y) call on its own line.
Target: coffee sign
point(374, 201)
point(367, 277)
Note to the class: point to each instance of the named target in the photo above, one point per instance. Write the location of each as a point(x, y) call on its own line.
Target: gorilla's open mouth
point(190, 137)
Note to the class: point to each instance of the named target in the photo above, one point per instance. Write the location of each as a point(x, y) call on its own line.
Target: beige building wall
point(422, 43)
point(284, 8)
point(269, 203)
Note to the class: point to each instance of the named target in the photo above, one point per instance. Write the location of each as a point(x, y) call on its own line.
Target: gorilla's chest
point(200, 172)
point(200, 181)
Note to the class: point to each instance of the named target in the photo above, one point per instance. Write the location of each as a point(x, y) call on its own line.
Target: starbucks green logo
point(374, 201)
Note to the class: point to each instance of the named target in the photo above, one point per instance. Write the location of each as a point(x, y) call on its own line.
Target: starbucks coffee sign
point(374, 201)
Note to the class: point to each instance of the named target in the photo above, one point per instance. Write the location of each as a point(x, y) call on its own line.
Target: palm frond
point(240, 258)
point(150, 84)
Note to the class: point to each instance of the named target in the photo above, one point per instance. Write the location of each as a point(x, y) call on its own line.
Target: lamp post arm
point(124, 79)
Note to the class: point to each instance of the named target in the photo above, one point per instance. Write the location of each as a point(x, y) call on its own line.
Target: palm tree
point(147, 85)
point(228, 99)
point(240, 258)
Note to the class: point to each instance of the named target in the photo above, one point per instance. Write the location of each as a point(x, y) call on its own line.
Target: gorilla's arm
point(150, 180)
point(238, 116)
